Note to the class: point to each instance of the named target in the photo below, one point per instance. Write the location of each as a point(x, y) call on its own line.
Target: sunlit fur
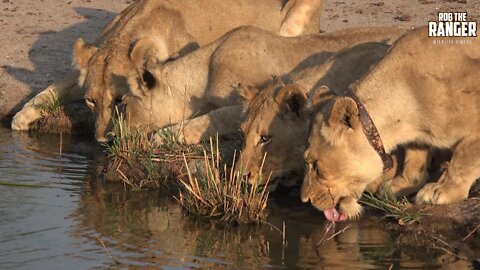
point(159, 30)
point(287, 131)
point(411, 100)
point(270, 114)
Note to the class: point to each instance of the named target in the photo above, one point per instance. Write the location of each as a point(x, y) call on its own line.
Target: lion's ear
point(292, 98)
point(82, 53)
point(344, 114)
point(147, 52)
point(247, 92)
point(149, 79)
point(142, 81)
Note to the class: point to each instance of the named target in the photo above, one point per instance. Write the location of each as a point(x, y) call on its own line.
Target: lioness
point(419, 92)
point(277, 122)
point(204, 82)
point(159, 30)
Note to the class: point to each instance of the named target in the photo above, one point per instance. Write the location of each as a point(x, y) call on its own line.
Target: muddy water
point(54, 214)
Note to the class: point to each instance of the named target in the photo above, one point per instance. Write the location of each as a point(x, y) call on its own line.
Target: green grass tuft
point(51, 107)
point(400, 210)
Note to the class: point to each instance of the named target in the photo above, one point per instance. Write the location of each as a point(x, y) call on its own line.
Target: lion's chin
point(333, 215)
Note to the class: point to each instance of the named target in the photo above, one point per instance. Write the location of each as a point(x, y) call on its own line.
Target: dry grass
point(217, 191)
point(55, 122)
point(133, 158)
point(208, 186)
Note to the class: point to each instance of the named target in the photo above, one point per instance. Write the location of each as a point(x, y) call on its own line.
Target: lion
point(277, 122)
point(159, 30)
point(197, 95)
point(420, 92)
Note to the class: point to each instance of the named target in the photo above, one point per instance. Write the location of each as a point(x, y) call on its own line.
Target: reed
point(217, 191)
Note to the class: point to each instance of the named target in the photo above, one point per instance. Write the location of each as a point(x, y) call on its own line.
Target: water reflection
point(54, 212)
point(39, 189)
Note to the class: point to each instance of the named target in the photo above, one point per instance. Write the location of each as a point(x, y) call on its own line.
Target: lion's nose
point(106, 138)
point(101, 139)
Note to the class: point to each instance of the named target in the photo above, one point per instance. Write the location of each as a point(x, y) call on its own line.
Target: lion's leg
point(221, 121)
point(454, 185)
point(66, 89)
point(298, 16)
point(414, 174)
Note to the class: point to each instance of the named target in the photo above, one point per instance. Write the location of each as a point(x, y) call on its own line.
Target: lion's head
point(151, 104)
point(104, 74)
point(340, 161)
point(275, 133)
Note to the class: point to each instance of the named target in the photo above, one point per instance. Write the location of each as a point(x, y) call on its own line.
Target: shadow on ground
point(51, 54)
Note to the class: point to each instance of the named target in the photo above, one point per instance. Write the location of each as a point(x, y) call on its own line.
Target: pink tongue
point(333, 215)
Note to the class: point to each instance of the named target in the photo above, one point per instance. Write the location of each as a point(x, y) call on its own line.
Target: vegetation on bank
point(208, 186)
point(400, 210)
point(51, 106)
point(54, 120)
point(76, 118)
point(138, 162)
point(216, 190)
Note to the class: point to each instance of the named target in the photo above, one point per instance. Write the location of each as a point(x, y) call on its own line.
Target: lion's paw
point(24, 118)
point(441, 193)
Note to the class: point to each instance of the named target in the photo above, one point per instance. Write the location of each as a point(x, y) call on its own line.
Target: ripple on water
point(38, 193)
point(70, 221)
point(37, 162)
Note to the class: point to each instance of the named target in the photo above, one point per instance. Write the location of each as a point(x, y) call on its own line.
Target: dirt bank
point(37, 40)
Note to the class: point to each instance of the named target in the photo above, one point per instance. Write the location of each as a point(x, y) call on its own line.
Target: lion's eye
point(264, 139)
point(312, 166)
point(118, 100)
point(316, 169)
point(90, 102)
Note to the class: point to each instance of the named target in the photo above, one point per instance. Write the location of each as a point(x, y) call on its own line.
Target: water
point(55, 214)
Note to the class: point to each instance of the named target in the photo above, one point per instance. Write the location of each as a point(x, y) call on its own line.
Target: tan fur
point(421, 93)
point(198, 85)
point(271, 113)
point(415, 173)
point(81, 60)
point(299, 13)
point(157, 30)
